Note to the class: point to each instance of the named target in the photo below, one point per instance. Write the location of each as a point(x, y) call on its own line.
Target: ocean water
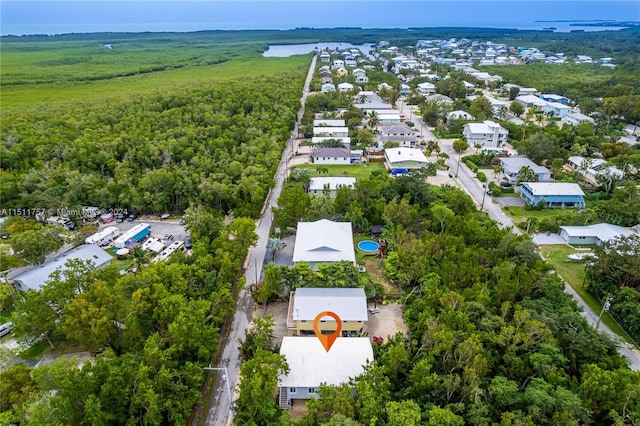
point(59, 17)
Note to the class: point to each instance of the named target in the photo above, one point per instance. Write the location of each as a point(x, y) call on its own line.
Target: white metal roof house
point(405, 158)
point(531, 101)
point(553, 194)
point(331, 131)
point(36, 277)
point(487, 134)
point(592, 234)
point(556, 109)
point(350, 304)
point(459, 115)
point(318, 185)
point(345, 87)
point(426, 88)
point(328, 87)
point(576, 118)
point(328, 123)
point(513, 165)
point(400, 133)
point(310, 365)
point(324, 241)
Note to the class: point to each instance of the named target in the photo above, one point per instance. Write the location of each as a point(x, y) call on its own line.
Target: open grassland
point(358, 171)
point(574, 274)
point(62, 71)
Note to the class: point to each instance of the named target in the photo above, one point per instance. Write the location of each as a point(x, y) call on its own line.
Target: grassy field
point(574, 274)
point(59, 71)
point(358, 171)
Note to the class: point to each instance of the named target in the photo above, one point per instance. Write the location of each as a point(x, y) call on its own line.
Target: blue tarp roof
point(140, 235)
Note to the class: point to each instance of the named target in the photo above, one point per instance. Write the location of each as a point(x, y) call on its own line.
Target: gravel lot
point(158, 227)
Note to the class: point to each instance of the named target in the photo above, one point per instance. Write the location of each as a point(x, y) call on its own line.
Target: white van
point(6, 328)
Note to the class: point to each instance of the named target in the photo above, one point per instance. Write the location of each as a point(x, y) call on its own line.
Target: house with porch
point(594, 167)
point(319, 186)
point(325, 56)
point(405, 159)
point(330, 132)
point(345, 87)
point(577, 118)
point(426, 88)
point(513, 165)
point(553, 194)
point(350, 304)
point(531, 101)
point(400, 133)
point(324, 241)
point(556, 109)
point(310, 365)
point(487, 134)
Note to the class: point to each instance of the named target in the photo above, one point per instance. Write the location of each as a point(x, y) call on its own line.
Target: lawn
point(519, 212)
point(358, 171)
point(574, 274)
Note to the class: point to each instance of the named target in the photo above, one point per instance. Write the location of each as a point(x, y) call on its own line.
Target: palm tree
point(527, 175)
point(374, 120)
point(140, 257)
point(497, 171)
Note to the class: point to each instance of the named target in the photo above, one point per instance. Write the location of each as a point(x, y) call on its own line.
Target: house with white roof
point(350, 304)
point(594, 168)
point(459, 115)
point(513, 165)
point(330, 156)
point(310, 365)
point(592, 234)
point(345, 87)
point(487, 134)
point(319, 185)
point(330, 132)
point(36, 277)
point(405, 159)
point(362, 79)
point(325, 56)
point(405, 89)
point(556, 109)
point(524, 91)
point(576, 118)
point(358, 71)
point(324, 241)
point(338, 63)
point(531, 101)
point(553, 194)
point(329, 122)
point(426, 88)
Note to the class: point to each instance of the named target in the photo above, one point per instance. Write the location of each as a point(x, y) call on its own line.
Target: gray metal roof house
point(36, 277)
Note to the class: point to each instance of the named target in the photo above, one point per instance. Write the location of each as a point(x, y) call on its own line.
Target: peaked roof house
point(553, 194)
point(400, 133)
point(487, 134)
point(599, 233)
point(595, 167)
point(426, 88)
point(325, 56)
point(405, 159)
point(328, 87)
point(36, 277)
point(345, 87)
point(513, 165)
point(310, 365)
point(330, 156)
point(350, 304)
point(324, 241)
point(576, 118)
point(459, 115)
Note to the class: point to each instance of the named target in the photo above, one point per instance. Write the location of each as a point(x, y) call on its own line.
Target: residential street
point(219, 409)
point(474, 188)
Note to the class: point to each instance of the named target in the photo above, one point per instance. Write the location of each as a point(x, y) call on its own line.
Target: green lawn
point(573, 273)
point(360, 255)
point(519, 212)
point(358, 171)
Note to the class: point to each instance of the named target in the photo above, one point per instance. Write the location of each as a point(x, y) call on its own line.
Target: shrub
point(496, 191)
point(472, 166)
point(481, 177)
point(508, 190)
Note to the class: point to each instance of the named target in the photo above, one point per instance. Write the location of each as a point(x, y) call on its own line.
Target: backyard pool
point(368, 246)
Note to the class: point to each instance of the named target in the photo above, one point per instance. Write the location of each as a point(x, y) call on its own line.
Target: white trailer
point(136, 233)
point(169, 250)
point(103, 237)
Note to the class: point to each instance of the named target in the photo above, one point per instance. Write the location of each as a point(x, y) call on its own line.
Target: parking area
point(159, 227)
point(388, 322)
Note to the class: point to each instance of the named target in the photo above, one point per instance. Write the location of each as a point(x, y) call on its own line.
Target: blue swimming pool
point(368, 246)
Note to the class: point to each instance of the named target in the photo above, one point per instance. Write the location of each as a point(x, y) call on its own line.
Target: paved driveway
point(509, 201)
point(547, 239)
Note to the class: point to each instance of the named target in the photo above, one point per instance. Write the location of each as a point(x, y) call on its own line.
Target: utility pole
point(484, 194)
point(225, 377)
point(605, 307)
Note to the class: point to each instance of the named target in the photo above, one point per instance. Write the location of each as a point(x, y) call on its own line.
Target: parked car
point(132, 216)
point(120, 218)
point(506, 184)
point(6, 328)
point(187, 242)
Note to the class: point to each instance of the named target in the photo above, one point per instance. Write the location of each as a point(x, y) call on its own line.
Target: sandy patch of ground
point(442, 178)
point(376, 273)
point(387, 322)
point(298, 409)
point(279, 312)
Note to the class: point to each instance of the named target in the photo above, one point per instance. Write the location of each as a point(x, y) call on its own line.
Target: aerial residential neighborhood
point(405, 228)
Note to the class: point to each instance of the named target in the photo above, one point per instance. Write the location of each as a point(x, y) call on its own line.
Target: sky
point(58, 17)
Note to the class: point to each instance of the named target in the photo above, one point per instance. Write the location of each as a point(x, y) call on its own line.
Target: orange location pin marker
point(327, 339)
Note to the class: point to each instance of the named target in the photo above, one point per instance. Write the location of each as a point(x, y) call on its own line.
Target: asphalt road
point(219, 407)
point(474, 188)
